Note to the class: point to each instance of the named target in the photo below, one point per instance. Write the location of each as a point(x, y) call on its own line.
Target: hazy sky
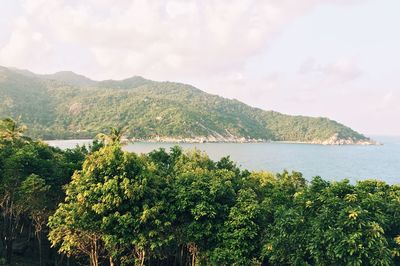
point(334, 58)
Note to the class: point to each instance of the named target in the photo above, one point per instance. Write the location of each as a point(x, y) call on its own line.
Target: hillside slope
point(68, 105)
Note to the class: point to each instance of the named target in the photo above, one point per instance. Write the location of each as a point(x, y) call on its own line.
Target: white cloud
point(340, 71)
point(168, 39)
point(25, 47)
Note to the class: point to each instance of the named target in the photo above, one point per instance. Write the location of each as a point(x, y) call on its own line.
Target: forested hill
point(68, 105)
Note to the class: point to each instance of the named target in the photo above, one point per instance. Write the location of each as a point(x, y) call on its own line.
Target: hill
point(68, 105)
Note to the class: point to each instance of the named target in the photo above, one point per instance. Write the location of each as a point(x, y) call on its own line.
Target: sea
point(329, 162)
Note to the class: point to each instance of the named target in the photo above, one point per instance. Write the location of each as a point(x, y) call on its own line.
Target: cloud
point(168, 39)
point(340, 71)
point(387, 101)
point(25, 45)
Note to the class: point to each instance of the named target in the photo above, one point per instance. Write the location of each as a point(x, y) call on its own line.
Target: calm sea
point(329, 162)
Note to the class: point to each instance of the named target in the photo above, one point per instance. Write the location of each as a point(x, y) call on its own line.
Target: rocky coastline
point(334, 140)
point(208, 139)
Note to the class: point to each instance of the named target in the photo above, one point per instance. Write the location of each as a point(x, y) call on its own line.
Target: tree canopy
point(103, 205)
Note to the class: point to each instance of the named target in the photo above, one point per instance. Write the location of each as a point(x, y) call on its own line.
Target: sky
point(333, 58)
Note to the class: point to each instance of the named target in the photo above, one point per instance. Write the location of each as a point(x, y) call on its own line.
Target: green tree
point(75, 227)
point(114, 207)
point(203, 196)
point(11, 130)
point(335, 224)
point(240, 235)
point(33, 201)
point(31, 178)
point(113, 137)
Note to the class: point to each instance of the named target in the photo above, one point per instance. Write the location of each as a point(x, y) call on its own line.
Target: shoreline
point(236, 141)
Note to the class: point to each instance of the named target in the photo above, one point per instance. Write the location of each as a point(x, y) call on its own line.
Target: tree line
point(101, 205)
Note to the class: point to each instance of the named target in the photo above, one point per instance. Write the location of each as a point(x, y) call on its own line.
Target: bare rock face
point(336, 140)
point(75, 108)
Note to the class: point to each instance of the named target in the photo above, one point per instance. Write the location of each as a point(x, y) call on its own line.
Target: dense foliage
point(66, 105)
point(182, 208)
point(32, 175)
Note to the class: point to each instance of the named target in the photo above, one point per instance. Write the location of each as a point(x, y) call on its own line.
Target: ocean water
point(330, 162)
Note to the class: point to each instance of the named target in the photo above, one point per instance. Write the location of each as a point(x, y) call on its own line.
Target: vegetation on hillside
point(181, 208)
point(67, 105)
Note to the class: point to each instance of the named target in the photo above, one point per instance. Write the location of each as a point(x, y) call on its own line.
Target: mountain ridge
point(68, 105)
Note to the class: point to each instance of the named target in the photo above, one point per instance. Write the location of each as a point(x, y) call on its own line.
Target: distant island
point(66, 105)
